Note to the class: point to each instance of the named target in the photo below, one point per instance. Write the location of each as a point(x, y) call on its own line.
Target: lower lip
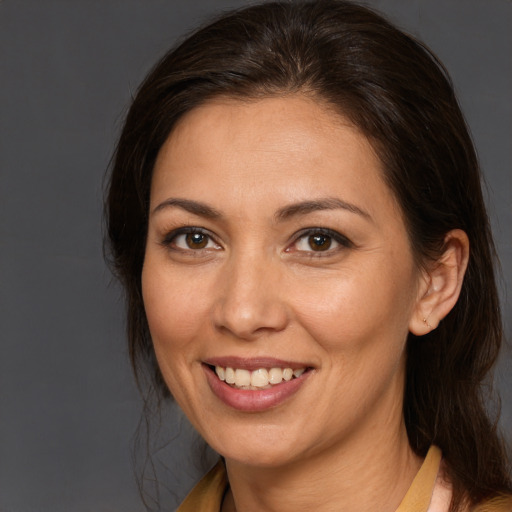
point(253, 400)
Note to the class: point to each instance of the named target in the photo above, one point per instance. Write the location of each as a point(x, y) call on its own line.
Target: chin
point(260, 457)
point(262, 446)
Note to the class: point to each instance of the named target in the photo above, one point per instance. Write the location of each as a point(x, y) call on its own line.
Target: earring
point(426, 323)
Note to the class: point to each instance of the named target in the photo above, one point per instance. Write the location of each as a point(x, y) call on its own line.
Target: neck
point(368, 473)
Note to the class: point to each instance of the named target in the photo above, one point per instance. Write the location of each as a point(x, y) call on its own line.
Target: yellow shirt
point(426, 494)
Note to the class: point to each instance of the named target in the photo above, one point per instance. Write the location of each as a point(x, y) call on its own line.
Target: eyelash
point(169, 240)
point(334, 236)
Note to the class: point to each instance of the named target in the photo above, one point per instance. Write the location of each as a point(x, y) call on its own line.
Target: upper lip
point(253, 363)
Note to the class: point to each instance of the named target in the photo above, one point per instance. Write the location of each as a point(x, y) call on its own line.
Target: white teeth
point(230, 375)
point(221, 373)
point(242, 378)
point(275, 375)
point(257, 379)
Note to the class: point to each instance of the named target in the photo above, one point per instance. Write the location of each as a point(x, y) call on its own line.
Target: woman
point(296, 214)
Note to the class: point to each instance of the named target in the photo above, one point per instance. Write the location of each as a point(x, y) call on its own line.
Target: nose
point(250, 301)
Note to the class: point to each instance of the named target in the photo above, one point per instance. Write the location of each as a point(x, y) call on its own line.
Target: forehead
point(283, 148)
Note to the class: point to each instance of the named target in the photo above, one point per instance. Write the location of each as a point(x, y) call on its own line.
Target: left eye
point(320, 241)
point(317, 242)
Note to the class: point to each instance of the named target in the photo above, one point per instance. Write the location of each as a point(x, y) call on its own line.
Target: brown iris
point(196, 240)
point(319, 242)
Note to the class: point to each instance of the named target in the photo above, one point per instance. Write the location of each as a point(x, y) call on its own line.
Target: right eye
point(190, 239)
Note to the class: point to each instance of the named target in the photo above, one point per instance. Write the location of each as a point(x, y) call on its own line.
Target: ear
point(441, 284)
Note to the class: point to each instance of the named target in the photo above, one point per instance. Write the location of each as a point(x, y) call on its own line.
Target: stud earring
point(426, 323)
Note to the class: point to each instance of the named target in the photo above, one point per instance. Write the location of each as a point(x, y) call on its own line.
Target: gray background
point(68, 405)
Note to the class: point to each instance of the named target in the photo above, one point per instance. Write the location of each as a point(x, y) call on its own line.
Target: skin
point(258, 289)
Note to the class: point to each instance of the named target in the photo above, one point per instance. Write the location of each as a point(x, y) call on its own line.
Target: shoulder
point(501, 503)
point(207, 495)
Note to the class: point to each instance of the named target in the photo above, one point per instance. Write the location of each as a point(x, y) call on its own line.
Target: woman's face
point(274, 246)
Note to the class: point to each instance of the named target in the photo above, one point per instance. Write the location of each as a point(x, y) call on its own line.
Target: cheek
point(175, 314)
point(349, 310)
point(175, 307)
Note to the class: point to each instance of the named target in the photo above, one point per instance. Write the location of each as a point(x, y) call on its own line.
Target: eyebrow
point(188, 205)
point(285, 213)
point(327, 203)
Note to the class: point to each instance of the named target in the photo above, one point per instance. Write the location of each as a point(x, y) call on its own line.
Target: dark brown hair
point(396, 91)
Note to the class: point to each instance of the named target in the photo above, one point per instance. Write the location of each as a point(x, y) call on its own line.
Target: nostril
point(250, 319)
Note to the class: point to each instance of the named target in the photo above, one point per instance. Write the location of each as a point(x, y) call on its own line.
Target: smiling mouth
point(262, 378)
